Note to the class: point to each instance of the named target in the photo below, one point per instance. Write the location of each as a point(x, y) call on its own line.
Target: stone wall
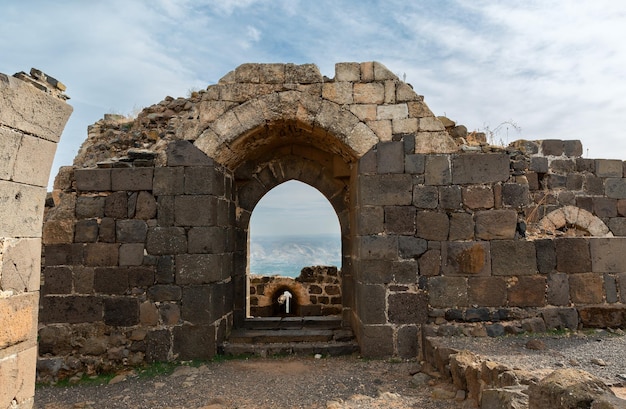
point(146, 248)
point(32, 117)
point(317, 291)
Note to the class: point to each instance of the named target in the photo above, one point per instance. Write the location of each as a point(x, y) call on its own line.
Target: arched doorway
point(295, 246)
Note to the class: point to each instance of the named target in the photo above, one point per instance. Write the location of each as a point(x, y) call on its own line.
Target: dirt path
point(289, 382)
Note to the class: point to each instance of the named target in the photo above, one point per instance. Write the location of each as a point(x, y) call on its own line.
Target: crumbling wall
point(32, 117)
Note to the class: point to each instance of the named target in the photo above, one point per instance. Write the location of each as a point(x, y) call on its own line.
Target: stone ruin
point(146, 235)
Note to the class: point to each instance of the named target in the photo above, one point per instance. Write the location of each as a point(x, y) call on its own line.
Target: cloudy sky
point(555, 68)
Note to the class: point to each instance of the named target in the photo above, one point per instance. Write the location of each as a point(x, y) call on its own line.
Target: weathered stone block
point(573, 255)
point(9, 145)
point(558, 289)
point(411, 247)
point(34, 160)
point(560, 318)
point(207, 240)
point(487, 291)
point(390, 157)
point(168, 181)
point(106, 233)
point(348, 71)
point(140, 276)
point(617, 225)
point(408, 308)
point(198, 269)
point(437, 170)
point(539, 164)
point(480, 168)
point(378, 247)
point(408, 346)
point(604, 207)
point(447, 291)
point(146, 206)
point(194, 342)
point(58, 280)
point(131, 179)
point(131, 254)
point(373, 310)
point(400, 220)
point(610, 289)
point(604, 316)
point(170, 314)
point(450, 197)
point(513, 257)
point(496, 224)
point(199, 210)
point(432, 225)
point(392, 111)
point(552, 147)
point(461, 226)
point(388, 189)
point(478, 197)
point(131, 231)
point(415, 164)
point(197, 305)
point(609, 168)
point(404, 271)
point(18, 319)
point(18, 380)
point(110, 280)
point(376, 341)
point(101, 254)
point(515, 194)
point(148, 313)
point(86, 231)
point(162, 292)
point(184, 153)
point(563, 166)
point(121, 311)
point(166, 240)
point(93, 180)
point(546, 255)
point(165, 271)
point(158, 345)
point(70, 309)
point(369, 93)
point(20, 264)
point(200, 180)
point(615, 188)
point(63, 254)
point(527, 291)
point(586, 288)
point(607, 255)
point(425, 197)
point(371, 220)
point(466, 258)
point(430, 263)
point(89, 207)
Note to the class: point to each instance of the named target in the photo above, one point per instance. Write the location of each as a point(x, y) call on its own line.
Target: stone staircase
point(267, 336)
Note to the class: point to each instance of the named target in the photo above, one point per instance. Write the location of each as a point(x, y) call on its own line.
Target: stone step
point(292, 348)
point(259, 336)
point(315, 322)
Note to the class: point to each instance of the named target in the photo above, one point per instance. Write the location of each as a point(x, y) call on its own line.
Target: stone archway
point(577, 218)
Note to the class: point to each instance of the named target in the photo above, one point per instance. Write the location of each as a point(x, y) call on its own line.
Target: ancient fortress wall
point(146, 246)
point(33, 114)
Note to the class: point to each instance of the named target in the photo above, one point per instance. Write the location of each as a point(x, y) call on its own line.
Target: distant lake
point(287, 255)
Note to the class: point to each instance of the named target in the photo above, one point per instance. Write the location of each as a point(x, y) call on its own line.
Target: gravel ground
point(289, 382)
point(600, 353)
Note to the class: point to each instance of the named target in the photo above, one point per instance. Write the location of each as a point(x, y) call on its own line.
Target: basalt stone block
point(200, 180)
point(414, 164)
point(157, 344)
point(101, 254)
point(88, 207)
point(58, 280)
point(168, 181)
point(527, 291)
point(478, 197)
point(197, 305)
point(477, 315)
point(378, 247)
point(86, 231)
point(615, 188)
point(563, 166)
point(140, 276)
point(388, 189)
point(194, 342)
point(573, 255)
point(450, 197)
point(408, 346)
point(480, 168)
point(607, 255)
point(539, 164)
point(461, 226)
point(165, 271)
point(610, 289)
point(513, 257)
point(198, 268)
point(63, 254)
point(146, 206)
point(131, 231)
point(604, 207)
point(106, 231)
point(593, 185)
point(552, 147)
point(574, 181)
point(371, 220)
point(558, 289)
point(198, 210)
point(367, 163)
point(166, 240)
point(609, 168)
point(400, 220)
point(131, 179)
point(425, 197)
point(411, 247)
point(430, 263)
point(110, 280)
point(162, 292)
point(515, 194)
point(617, 225)
point(373, 311)
point(437, 170)
point(444, 291)
point(560, 318)
point(170, 314)
point(586, 288)
point(487, 291)
point(373, 272)
point(432, 225)
point(116, 205)
point(496, 224)
point(466, 258)
point(121, 311)
point(404, 271)
point(556, 181)
point(70, 309)
point(210, 240)
point(131, 254)
point(390, 157)
point(376, 341)
point(98, 180)
point(606, 316)
point(408, 308)
point(572, 148)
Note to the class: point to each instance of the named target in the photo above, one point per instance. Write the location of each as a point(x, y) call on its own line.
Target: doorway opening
point(294, 252)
